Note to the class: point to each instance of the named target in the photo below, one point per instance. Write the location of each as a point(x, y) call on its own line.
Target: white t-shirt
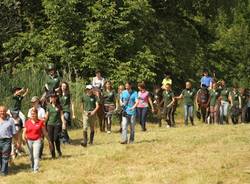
point(98, 83)
point(41, 113)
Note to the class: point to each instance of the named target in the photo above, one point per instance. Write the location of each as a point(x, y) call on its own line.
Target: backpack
point(203, 96)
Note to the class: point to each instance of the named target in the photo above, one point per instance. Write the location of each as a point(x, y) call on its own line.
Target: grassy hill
point(191, 155)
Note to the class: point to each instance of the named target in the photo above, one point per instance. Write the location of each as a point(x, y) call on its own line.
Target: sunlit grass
point(199, 154)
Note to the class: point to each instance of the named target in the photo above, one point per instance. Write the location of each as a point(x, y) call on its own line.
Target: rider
point(98, 80)
point(53, 79)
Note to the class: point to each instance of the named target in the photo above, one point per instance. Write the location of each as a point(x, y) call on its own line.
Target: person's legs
point(5, 145)
point(66, 138)
point(92, 129)
point(124, 135)
point(191, 113)
point(85, 129)
point(132, 121)
point(30, 148)
point(36, 150)
point(57, 132)
point(203, 114)
point(221, 109)
point(51, 137)
point(243, 114)
point(144, 113)
point(216, 113)
point(212, 114)
point(186, 114)
point(225, 113)
point(139, 116)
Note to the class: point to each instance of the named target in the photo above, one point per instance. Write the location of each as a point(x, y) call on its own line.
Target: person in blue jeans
point(224, 102)
point(7, 131)
point(143, 102)
point(188, 95)
point(128, 101)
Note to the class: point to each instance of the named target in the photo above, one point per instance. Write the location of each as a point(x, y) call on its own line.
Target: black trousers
point(54, 132)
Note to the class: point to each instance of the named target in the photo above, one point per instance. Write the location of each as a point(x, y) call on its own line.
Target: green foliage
point(134, 40)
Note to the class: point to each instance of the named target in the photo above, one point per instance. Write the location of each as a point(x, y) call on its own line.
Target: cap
point(89, 87)
point(34, 99)
point(51, 66)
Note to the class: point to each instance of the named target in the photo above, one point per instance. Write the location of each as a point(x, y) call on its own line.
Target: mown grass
point(194, 155)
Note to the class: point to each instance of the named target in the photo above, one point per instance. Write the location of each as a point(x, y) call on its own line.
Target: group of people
point(50, 116)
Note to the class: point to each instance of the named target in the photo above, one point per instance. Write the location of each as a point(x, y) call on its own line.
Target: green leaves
point(128, 40)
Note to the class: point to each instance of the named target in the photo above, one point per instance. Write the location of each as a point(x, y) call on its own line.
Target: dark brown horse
point(157, 102)
point(100, 112)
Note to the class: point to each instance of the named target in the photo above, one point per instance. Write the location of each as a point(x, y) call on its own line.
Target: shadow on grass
point(21, 167)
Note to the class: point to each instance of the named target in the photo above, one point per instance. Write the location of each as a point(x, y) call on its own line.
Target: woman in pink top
point(143, 102)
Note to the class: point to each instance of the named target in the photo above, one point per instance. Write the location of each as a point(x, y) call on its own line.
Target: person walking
point(214, 104)
point(128, 100)
point(35, 102)
point(90, 106)
point(7, 132)
point(224, 105)
point(55, 124)
point(144, 100)
point(235, 103)
point(67, 108)
point(168, 102)
point(33, 133)
point(188, 94)
point(109, 101)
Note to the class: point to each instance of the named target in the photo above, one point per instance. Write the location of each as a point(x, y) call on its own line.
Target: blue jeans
point(34, 149)
point(142, 116)
point(224, 111)
point(128, 120)
point(5, 150)
point(188, 113)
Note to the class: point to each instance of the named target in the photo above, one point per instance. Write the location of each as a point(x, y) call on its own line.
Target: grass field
point(200, 154)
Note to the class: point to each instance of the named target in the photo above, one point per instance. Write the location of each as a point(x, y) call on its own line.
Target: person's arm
point(46, 116)
point(63, 120)
point(24, 139)
point(240, 102)
point(151, 103)
point(179, 97)
point(230, 99)
point(96, 109)
point(135, 105)
point(73, 110)
point(196, 99)
point(45, 133)
point(18, 92)
point(172, 102)
point(82, 110)
point(26, 92)
point(93, 82)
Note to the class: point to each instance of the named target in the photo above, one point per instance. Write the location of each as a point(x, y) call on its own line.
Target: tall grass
point(34, 80)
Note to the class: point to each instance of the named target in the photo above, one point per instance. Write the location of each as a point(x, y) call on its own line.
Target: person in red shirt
point(33, 131)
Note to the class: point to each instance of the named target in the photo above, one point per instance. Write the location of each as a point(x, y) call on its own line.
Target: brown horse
point(100, 113)
point(157, 102)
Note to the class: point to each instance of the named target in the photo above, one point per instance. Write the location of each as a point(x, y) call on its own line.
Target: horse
point(157, 102)
point(100, 112)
